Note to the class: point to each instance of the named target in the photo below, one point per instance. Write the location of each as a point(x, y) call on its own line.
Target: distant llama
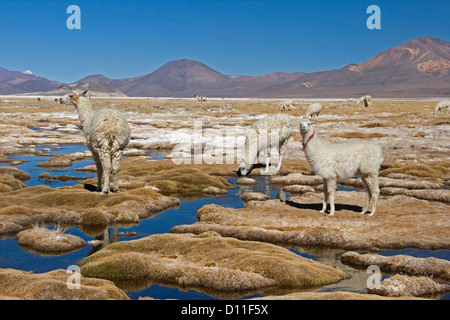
point(342, 161)
point(107, 133)
point(200, 98)
point(273, 131)
point(365, 101)
point(314, 111)
point(441, 107)
point(286, 105)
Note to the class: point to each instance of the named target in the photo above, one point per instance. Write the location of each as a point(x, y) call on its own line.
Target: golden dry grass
point(335, 295)
point(208, 261)
point(75, 206)
point(171, 178)
point(430, 267)
point(52, 285)
point(401, 285)
point(400, 222)
point(43, 240)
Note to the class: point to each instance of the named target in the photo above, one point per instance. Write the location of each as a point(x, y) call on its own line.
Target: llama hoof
point(362, 213)
point(371, 214)
point(331, 214)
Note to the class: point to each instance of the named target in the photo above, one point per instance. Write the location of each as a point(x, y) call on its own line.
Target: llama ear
point(84, 92)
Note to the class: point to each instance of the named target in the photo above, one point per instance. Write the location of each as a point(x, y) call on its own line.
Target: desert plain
point(229, 252)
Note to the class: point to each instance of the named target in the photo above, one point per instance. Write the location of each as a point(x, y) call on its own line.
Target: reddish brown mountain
point(417, 68)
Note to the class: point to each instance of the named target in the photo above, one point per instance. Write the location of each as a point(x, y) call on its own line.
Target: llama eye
point(71, 95)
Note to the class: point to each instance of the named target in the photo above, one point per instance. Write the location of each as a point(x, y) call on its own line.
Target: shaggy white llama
point(365, 101)
point(286, 105)
point(342, 161)
point(200, 98)
point(313, 111)
point(441, 106)
point(273, 131)
point(107, 133)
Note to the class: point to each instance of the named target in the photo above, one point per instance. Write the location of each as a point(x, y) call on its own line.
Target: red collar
point(310, 137)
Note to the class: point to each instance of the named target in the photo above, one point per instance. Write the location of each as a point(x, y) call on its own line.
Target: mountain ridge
point(417, 68)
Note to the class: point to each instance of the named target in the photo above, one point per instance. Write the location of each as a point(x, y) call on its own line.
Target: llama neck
point(84, 108)
point(307, 137)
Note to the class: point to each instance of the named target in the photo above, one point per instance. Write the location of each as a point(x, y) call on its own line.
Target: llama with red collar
point(334, 162)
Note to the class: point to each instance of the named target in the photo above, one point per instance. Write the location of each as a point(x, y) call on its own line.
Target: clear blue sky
point(235, 37)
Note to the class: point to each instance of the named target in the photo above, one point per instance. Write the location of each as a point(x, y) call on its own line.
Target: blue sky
point(235, 37)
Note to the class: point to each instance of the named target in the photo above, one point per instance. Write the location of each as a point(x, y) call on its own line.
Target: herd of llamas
point(108, 134)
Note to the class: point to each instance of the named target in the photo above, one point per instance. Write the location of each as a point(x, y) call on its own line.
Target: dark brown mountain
point(16, 82)
point(181, 78)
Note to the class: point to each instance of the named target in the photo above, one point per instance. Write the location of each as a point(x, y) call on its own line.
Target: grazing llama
point(200, 98)
point(286, 105)
point(107, 133)
point(365, 101)
point(314, 111)
point(342, 161)
point(273, 131)
point(441, 106)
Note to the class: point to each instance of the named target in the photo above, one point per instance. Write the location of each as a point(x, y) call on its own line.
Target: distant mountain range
point(417, 68)
point(14, 82)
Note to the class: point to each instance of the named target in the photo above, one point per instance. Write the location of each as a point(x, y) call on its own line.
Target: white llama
point(314, 111)
point(273, 131)
point(107, 133)
point(441, 106)
point(365, 101)
point(286, 105)
point(342, 161)
point(200, 98)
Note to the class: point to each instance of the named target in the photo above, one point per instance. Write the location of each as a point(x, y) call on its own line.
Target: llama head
point(242, 168)
point(306, 125)
point(72, 97)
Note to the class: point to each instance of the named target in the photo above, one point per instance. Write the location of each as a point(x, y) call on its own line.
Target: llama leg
point(331, 184)
point(366, 185)
point(115, 164)
point(266, 171)
point(325, 196)
point(281, 154)
point(99, 166)
point(105, 158)
point(375, 191)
